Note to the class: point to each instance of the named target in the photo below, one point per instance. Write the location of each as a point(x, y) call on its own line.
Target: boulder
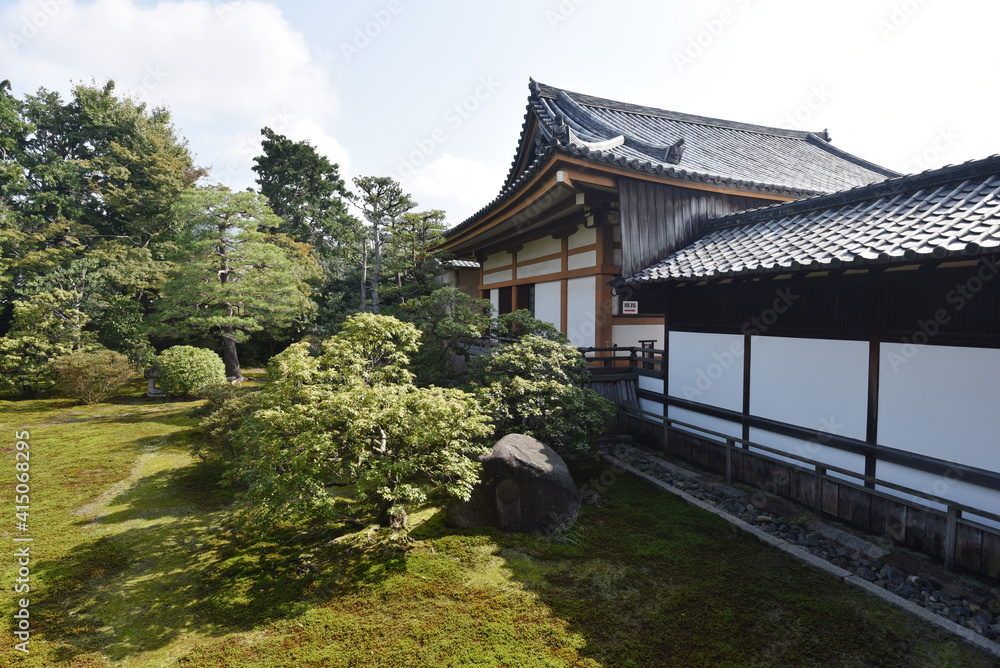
point(525, 486)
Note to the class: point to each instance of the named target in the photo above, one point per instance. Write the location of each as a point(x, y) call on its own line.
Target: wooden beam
point(605, 270)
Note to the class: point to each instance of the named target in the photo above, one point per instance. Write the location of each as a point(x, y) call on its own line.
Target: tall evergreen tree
point(230, 276)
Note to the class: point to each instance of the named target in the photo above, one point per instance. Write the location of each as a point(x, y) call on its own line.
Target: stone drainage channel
point(844, 555)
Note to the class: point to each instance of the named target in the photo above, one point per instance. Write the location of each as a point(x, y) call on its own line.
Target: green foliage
point(303, 189)
point(230, 278)
point(450, 322)
point(226, 409)
point(534, 386)
point(93, 377)
point(383, 205)
point(123, 330)
point(186, 370)
point(347, 432)
point(520, 323)
point(24, 364)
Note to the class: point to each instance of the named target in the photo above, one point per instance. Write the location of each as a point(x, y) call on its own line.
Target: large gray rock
point(524, 486)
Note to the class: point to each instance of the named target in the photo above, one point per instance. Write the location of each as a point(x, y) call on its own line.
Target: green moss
point(138, 564)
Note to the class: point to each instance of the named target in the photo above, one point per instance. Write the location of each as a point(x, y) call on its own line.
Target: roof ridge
point(890, 187)
point(828, 146)
point(543, 90)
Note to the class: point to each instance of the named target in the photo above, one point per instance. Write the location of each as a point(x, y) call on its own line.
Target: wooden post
point(632, 359)
point(730, 444)
point(951, 537)
point(818, 500)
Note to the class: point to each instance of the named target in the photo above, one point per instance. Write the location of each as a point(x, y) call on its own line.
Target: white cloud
point(458, 185)
point(224, 70)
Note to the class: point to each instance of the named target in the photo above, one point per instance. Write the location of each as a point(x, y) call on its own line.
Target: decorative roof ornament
point(605, 145)
point(675, 152)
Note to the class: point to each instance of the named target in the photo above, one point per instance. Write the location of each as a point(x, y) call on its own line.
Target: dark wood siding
point(952, 307)
point(658, 219)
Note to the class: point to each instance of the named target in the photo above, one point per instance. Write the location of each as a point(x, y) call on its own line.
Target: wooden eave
point(558, 180)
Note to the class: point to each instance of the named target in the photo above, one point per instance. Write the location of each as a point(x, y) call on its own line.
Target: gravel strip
point(853, 555)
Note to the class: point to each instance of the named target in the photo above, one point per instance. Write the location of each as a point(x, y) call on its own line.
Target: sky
point(433, 93)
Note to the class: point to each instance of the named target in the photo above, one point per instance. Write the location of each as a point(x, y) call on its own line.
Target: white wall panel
point(707, 368)
point(497, 260)
point(811, 383)
point(581, 298)
point(627, 336)
point(941, 401)
point(538, 268)
point(651, 384)
point(548, 303)
point(582, 260)
point(812, 449)
point(498, 276)
point(583, 237)
point(495, 300)
point(538, 248)
point(726, 427)
point(950, 488)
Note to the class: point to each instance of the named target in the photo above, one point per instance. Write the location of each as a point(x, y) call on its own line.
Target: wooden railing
point(866, 501)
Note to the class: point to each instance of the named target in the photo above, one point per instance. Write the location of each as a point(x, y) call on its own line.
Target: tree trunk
point(377, 271)
point(229, 355)
point(364, 275)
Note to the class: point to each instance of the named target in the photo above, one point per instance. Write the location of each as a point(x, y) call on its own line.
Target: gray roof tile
point(752, 158)
point(936, 214)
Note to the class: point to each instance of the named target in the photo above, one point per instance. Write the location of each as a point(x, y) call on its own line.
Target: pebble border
point(838, 553)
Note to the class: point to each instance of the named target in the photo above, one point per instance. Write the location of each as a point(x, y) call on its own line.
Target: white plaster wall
point(497, 260)
point(811, 383)
point(951, 488)
point(583, 237)
point(548, 303)
point(495, 300)
point(581, 297)
point(498, 276)
point(582, 260)
point(707, 368)
point(812, 449)
point(627, 336)
point(941, 401)
point(538, 248)
point(538, 268)
point(726, 427)
point(651, 384)
point(616, 257)
point(616, 233)
point(654, 407)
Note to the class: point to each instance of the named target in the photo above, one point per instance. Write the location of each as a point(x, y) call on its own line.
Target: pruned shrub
point(225, 411)
point(185, 370)
point(534, 386)
point(93, 377)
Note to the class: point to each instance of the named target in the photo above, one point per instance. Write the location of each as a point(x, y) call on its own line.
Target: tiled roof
point(952, 211)
point(751, 158)
point(461, 264)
